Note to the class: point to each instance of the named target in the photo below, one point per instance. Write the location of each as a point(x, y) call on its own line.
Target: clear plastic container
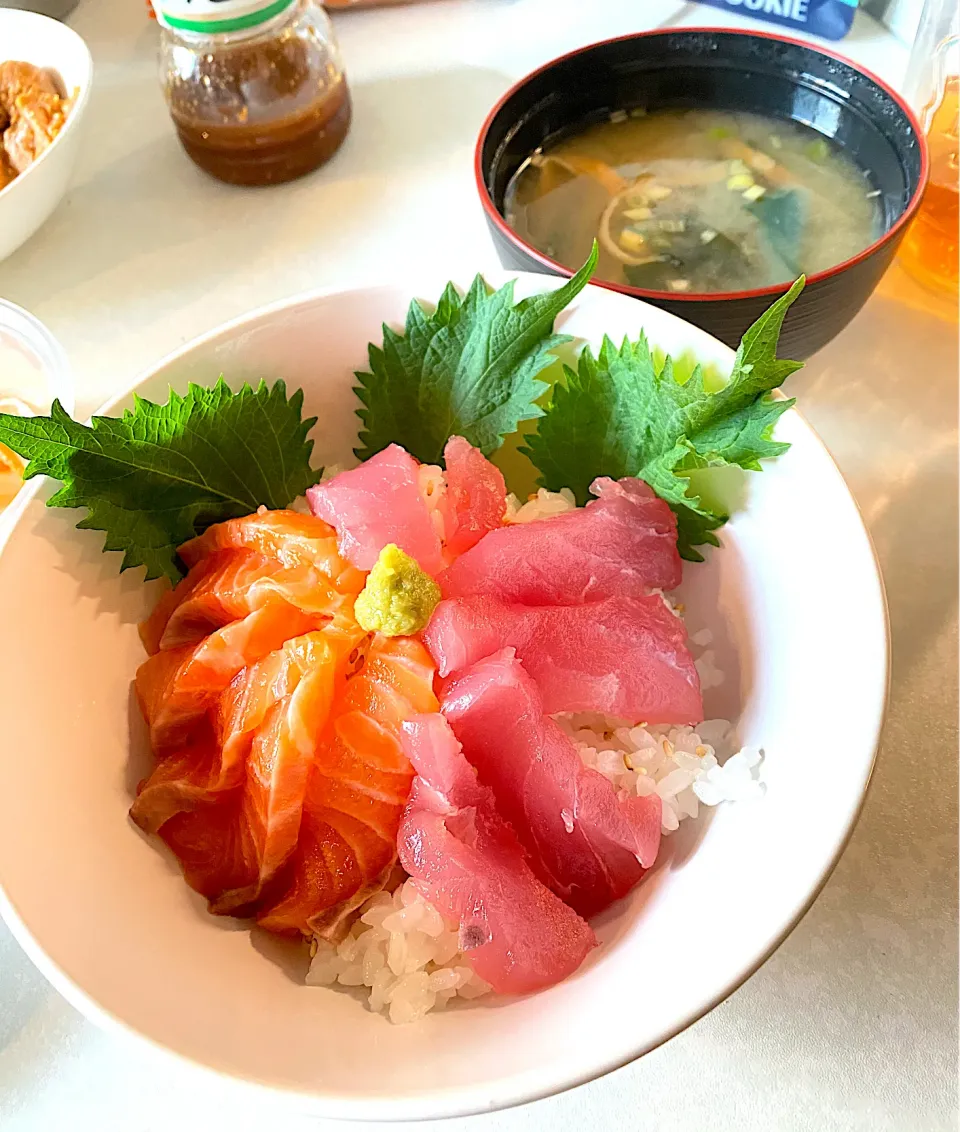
point(33, 373)
point(255, 88)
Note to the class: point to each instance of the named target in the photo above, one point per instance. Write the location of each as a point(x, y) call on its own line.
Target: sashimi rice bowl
point(434, 707)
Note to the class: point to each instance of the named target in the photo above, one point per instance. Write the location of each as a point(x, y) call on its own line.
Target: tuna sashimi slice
point(467, 861)
point(358, 785)
point(622, 543)
point(376, 504)
point(585, 844)
point(623, 656)
point(475, 499)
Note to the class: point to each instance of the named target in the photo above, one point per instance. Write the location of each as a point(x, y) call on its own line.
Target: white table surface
point(852, 1024)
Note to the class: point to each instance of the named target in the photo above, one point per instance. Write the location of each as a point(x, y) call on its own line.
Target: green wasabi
point(398, 598)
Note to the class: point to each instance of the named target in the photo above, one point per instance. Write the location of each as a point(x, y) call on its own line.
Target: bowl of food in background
point(33, 373)
point(45, 79)
point(714, 167)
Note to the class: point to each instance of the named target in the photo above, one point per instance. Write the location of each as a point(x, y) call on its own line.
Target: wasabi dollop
point(399, 596)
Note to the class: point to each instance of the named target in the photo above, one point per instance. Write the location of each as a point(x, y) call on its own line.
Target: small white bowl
point(796, 606)
point(32, 196)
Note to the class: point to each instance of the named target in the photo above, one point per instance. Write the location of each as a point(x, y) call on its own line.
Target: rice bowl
point(769, 609)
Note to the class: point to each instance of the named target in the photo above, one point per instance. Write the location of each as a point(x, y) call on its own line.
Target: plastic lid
point(33, 367)
point(215, 16)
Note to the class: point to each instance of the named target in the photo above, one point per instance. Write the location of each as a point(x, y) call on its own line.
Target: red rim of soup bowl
point(558, 268)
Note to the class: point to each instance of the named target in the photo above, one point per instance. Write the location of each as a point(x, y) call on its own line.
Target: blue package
point(830, 19)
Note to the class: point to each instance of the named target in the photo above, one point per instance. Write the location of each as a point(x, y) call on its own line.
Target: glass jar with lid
point(255, 88)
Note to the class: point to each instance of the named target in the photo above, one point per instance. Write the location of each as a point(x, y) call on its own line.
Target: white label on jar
point(201, 13)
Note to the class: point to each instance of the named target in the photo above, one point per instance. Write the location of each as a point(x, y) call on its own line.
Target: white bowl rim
point(83, 91)
point(467, 1101)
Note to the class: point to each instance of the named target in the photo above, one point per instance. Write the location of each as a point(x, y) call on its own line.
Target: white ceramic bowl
point(30, 198)
point(796, 605)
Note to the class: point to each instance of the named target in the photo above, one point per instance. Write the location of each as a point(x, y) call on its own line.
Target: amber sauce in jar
point(263, 109)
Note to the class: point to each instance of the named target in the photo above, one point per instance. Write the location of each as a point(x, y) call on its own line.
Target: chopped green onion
point(818, 150)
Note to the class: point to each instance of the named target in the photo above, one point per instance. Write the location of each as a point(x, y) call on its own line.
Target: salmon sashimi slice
point(466, 860)
point(279, 761)
point(176, 686)
point(209, 845)
point(232, 583)
point(475, 499)
point(582, 841)
point(214, 587)
point(358, 786)
point(623, 543)
point(215, 758)
point(180, 781)
point(244, 705)
point(624, 656)
point(376, 504)
point(285, 536)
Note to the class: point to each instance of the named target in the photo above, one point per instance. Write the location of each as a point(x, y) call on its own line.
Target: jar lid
point(215, 16)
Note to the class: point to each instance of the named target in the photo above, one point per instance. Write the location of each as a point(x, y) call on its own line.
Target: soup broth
point(695, 201)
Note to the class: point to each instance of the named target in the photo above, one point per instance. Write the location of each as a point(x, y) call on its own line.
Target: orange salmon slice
point(176, 687)
point(358, 787)
point(281, 779)
point(279, 762)
point(286, 537)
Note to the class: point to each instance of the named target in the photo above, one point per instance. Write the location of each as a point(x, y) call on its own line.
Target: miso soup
point(695, 201)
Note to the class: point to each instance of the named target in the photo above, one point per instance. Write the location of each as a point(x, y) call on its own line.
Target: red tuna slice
point(583, 842)
point(467, 861)
point(624, 542)
point(623, 656)
point(379, 503)
point(476, 497)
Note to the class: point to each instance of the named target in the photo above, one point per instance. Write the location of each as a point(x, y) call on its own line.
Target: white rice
point(686, 767)
point(540, 506)
point(404, 956)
